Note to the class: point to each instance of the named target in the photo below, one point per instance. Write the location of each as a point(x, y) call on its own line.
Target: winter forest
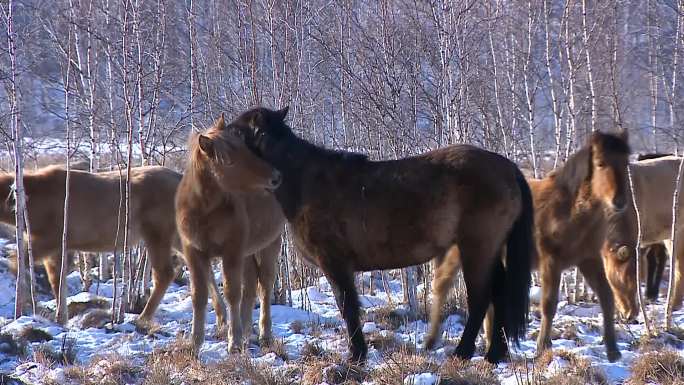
point(108, 85)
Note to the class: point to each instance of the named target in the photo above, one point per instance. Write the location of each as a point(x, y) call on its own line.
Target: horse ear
point(282, 114)
point(206, 144)
point(221, 122)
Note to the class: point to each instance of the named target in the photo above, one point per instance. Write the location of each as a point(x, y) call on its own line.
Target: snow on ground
point(314, 308)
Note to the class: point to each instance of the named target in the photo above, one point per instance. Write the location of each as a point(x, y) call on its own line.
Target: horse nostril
point(276, 178)
point(619, 204)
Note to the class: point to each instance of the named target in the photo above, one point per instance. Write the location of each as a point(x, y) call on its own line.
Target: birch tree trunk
point(673, 236)
point(61, 314)
point(18, 140)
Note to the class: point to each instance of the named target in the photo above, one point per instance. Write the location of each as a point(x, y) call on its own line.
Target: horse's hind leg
point(596, 277)
point(159, 253)
point(268, 263)
point(497, 348)
point(477, 276)
point(441, 283)
point(53, 267)
point(249, 288)
point(217, 302)
point(342, 281)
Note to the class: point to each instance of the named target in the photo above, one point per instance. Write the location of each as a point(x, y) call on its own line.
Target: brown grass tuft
point(12, 346)
point(456, 371)
point(312, 350)
point(399, 365)
point(331, 369)
point(297, 326)
point(661, 367)
point(112, 369)
point(76, 308)
point(277, 346)
point(32, 334)
point(387, 342)
point(578, 372)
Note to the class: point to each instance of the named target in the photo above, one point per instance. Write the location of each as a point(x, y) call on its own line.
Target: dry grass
point(579, 370)
point(331, 370)
point(176, 365)
point(95, 318)
point(12, 346)
point(311, 350)
point(76, 308)
point(459, 372)
point(32, 334)
point(399, 365)
point(277, 346)
point(297, 326)
point(661, 367)
point(112, 369)
point(387, 342)
point(389, 317)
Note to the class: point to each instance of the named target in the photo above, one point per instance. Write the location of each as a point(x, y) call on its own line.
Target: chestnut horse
point(654, 183)
point(460, 205)
point(97, 219)
point(224, 208)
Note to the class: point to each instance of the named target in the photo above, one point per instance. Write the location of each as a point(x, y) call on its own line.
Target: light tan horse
point(97, 219)
point(654, 184)
point(224, 208)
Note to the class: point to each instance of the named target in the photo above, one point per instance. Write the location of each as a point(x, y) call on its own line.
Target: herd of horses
point(460, 206)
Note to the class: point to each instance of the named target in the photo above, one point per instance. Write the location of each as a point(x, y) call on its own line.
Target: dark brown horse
point(572, 206)
point(459, 205)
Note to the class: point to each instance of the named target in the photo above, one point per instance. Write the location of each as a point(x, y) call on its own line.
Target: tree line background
point(122, 82)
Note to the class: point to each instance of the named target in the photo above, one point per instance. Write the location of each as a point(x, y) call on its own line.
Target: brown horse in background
point(654, 183)
point(571, 207)
point(97, 219)
point(224, 208)
point(460, 205)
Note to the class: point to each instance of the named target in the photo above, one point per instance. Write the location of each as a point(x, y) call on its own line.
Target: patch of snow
point(421, 379)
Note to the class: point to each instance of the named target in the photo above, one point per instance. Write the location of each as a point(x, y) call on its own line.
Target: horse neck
point(202, 187)
point(300, 165)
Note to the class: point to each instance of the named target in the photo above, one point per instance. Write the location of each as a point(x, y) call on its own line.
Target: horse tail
point(520, 249)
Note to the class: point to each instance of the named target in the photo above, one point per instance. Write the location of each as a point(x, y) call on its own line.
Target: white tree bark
point(673, 236)
point(18, 140)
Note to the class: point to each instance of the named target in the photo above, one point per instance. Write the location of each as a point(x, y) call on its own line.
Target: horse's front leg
point(596, 276)
point(341, 279)
point(232, 290)
point(199, 265)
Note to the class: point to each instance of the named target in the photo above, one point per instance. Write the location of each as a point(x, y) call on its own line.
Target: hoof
point(464, 353)
point(614, 355)
point(497, 355)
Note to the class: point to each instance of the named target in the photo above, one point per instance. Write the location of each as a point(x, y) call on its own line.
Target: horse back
point(654, 185)
point(406, 211)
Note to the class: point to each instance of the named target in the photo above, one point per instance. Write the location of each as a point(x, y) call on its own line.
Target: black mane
point(264, 117)
point(576, 171)
point(578, 168)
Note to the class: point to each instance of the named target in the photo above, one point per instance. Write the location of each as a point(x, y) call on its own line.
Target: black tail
point(519, 255)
